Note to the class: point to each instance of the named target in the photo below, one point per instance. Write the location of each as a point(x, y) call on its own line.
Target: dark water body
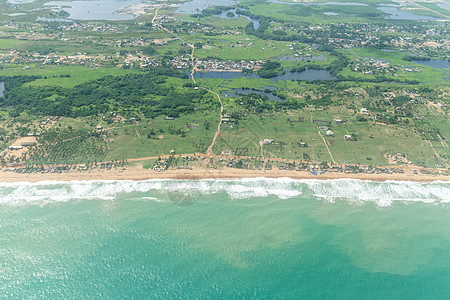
point(234, 92)
point(435, 63)
point(197, 6)
point(2, 89)
point(308, 75)
point(225, 239)
point(395, 14)
point(95, 10)
point(223, 15)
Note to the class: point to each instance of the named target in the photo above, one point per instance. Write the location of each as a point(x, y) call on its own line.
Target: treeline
point(212, 10)
point(276, 35)
point(412, 57)
point(145, 92)
point(260, 103)
point(63, 146)
point(376, 79)
point(270, 69)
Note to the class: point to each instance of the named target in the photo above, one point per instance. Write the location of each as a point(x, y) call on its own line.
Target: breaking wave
point(359, 191)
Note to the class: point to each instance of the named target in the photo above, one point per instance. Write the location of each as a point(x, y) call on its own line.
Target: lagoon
point(434, 63)
point(223, 15)
point(2, 89)
point(395, 14)
point(94, 10)
point(307, 75)
point(197, 6)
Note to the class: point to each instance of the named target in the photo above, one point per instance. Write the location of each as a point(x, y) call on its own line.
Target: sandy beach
point(137, 172)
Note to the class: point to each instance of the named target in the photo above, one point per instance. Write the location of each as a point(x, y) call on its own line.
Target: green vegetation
point(96, 91)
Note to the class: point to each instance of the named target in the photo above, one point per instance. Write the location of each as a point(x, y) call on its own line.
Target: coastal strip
point(137, 173)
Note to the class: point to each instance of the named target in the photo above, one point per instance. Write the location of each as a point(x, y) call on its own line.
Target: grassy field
point(78, 74)
point(373, 140)
point(436, 8)
point(316, 13)
point(428, 74)
point(6, 44)
point(240, 47)
point(151, 137)
point(133, 141)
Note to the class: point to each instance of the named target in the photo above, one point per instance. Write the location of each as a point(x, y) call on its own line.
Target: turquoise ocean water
point(225, 239)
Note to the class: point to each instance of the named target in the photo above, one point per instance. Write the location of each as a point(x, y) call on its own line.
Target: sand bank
point(139, 173)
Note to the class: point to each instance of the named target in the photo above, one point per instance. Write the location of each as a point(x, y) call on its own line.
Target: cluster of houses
point(214, 64)
point(373, 66)
point(272, 142)
point(65, 168)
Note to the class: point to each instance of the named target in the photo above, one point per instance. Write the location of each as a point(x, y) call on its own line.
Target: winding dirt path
point(194, 68)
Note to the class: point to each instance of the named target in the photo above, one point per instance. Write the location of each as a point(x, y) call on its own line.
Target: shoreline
point(138, 173)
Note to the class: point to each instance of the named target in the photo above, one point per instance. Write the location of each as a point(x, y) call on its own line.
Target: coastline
point(138, 173)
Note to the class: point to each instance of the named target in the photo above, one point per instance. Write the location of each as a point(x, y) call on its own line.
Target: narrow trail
point(45, 60)
point(210, 148)
point(194, 68)
point(326, 145)
point(325, 142)
point(437, 154)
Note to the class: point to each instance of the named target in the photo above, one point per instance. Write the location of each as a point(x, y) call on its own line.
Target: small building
point(339, 121)
point(267, 141)
point(329, 132)
point(15, 147)
point(227, 152)
point(348, 137)
point(364, 111)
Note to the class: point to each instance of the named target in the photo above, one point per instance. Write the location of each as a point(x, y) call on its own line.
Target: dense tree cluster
point(69, 145)
point(146, 92)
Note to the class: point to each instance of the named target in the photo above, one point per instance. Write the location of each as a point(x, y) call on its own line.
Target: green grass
point(428, 74)
point(6, 44)
point(77, 74)
point(373, 141)
point(433, 6)
point(315, 13)
point(132, 141)
point(228, 47)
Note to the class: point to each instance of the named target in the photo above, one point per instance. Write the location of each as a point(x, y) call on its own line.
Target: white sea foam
point(360, 191)
point(382, 193)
